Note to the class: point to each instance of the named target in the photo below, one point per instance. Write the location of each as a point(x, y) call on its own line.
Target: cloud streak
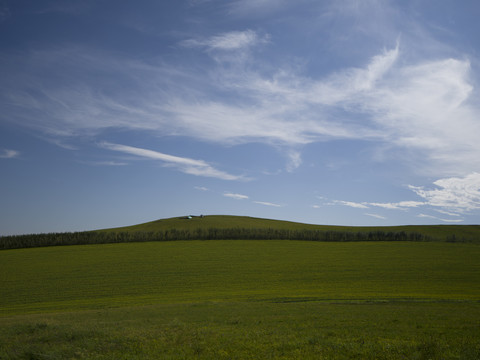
point(228, 41)
point(105, 163)
point(9, 154)
point(235, 196)
point(376, 216)
point(402, 205)
point(437, 218)
point(266, 203)
point(186, 165)
point(349, 204)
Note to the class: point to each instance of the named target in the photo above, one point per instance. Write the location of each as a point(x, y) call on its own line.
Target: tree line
point(100, 237)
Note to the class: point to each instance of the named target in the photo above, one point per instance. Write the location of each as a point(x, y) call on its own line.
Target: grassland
point(470, 233)
point(241, 300)
point(245, 228)
point(249, 330)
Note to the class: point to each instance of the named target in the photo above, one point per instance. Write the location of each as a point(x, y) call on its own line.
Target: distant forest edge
point(110, 237)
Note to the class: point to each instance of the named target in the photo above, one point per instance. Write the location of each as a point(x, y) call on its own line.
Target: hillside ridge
point(230, 227)
point(238, 221)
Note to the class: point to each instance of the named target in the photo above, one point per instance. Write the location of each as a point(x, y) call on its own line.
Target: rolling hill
point(469, 233)
point(145, 296)
point(227, 227)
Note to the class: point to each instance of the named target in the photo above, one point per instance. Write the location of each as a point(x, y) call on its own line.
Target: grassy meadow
point(237, 299)
point(223, 227)
point(461, 233)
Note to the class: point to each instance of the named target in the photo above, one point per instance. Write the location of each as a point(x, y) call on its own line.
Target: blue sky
point(327, 112)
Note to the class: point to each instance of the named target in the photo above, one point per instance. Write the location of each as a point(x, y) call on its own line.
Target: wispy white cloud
point(9, 154)
point(202, 188)
point(235, 196)
point(391, 100)
point(238, 196)
point(426, 216)
point(253, 108)
point(416, 106)
point(186, 165)
point(349, 204)
point(455, 194)
point(409, 106)
point(267, 203)
point(402, 205)
point(351, 86)
point(449, 213)
point(452, 196)
point(440, 219)
point(294, 160)
point(233, 40)
point(376, 216)
point(452, 220)
point(105, 163)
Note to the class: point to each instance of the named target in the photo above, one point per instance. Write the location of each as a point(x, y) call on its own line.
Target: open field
point(249, 330)
point(241, 299)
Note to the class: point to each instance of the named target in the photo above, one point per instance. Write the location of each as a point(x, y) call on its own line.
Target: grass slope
point(241, 300)
point(213, 221)
point(252, 330)
point(93, 276)
point(218, 227)
point(437, 232)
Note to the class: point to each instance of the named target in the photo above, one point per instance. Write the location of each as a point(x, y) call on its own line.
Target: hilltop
point(227, 227)
point(192, 222)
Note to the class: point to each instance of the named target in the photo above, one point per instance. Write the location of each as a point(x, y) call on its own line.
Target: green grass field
point(470, 233)
point(241, 300)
